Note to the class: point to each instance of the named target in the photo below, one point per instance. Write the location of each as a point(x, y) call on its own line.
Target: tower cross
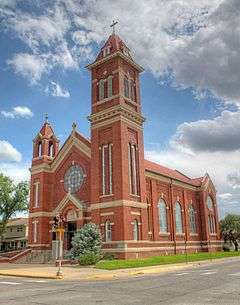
point(113, 26)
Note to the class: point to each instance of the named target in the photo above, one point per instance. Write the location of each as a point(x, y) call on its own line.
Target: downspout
point(172, 218)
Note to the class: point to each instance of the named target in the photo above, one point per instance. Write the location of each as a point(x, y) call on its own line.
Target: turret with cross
point(114, 23)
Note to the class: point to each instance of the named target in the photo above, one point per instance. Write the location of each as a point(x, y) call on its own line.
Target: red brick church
point(141, 207)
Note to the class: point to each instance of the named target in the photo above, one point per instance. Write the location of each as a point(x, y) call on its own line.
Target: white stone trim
point(68, 197)
point(39, 245)
point(164, 233)
point(117, 203)
point(40, 214)
point(36, 194)
point(135, 213)
point(107, 214)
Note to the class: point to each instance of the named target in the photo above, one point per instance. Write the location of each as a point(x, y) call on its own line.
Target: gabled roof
point(46, 130)
point(116, 44)
point(149, 165)
point(171, 173)
point(17, 222)
point(82, 138)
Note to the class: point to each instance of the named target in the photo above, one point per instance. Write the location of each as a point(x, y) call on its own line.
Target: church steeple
point(45, 144)
point(115, 77)
point(117, 130)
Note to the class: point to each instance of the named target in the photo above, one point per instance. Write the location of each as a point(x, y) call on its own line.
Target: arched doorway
point(71, 227)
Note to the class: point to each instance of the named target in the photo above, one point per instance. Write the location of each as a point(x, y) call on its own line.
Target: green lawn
point(162, 260)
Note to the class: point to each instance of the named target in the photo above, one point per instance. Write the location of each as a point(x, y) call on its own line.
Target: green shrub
point(226, 248)
point(88, 259)
point(109, 256)
point(87, 241)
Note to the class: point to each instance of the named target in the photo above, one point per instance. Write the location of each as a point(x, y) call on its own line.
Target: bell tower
point(45, 145)
point(45, 148)
point(117, 173)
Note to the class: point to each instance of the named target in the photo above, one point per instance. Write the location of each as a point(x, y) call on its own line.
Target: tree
point(230, 229)
point(13, 198)
point(87, 241)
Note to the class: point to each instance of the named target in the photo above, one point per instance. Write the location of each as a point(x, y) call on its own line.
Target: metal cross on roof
point(113, 26)
point(46, 118)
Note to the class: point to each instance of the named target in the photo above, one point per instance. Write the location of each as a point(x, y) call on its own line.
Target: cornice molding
point(175, 182)
point(117, 203)
point(116, 54)
point(118, 110)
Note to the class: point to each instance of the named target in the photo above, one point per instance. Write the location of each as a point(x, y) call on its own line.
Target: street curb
point(52, 277)
point(124, 273)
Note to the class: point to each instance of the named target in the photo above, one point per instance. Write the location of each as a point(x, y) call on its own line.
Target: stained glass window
point(178, 218)
point(101, 89)
point(210, 203)
point(135, 230)
point(73, 179)
point(162, 212)
point(192, 219)
point(108, 231)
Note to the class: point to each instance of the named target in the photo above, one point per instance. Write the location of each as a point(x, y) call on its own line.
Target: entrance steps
point(14, 256)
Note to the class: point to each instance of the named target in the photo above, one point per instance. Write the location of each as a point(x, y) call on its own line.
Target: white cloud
point(18, 172)
point(195, 46)
point(47, 35)
point(234, 179)
point(219, 134)
point(55, 89)
point(7, 3)
point(29, 66)
point(8, 153)
point(217, 164)
point(225, 196)
point(81, 38)
point(18, 112)
point(45, 29)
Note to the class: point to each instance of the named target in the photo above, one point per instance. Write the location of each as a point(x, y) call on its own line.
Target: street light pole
point(59, 272)
point(59, 228)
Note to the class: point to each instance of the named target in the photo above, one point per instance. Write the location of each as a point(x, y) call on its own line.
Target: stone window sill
point(164, 233)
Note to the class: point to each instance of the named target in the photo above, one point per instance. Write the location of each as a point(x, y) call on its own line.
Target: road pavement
point(217, 283)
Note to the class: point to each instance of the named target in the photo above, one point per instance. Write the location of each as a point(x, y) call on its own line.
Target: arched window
point(101, 89)
point(178, 218)
point(211, 216)
point(211, 224)
point(110, 86)
point(192, 219)
point(51, 150)
point(210, 203)
point(126, 87)
point(162, 214)
point(135, 230)
point(132, 90)
point(39, 150)
point(108, 231)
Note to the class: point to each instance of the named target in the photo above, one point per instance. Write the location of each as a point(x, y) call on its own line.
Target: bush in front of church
point(88, 259)
point(87, 245)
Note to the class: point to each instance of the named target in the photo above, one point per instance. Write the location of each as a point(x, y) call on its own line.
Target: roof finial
point(74, 126)
point(113, 26)
point(46, 118)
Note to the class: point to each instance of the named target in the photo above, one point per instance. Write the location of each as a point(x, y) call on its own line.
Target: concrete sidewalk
point(91, 273)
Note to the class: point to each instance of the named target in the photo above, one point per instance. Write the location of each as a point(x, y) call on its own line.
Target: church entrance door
point(71, 229)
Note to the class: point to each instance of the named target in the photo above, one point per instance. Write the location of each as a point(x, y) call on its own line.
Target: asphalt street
point(217, 283)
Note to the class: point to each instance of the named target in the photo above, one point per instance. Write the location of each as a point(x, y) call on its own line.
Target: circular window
point(73, 179)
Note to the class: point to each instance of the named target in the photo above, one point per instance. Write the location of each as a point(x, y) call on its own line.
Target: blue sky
point(190, 88)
